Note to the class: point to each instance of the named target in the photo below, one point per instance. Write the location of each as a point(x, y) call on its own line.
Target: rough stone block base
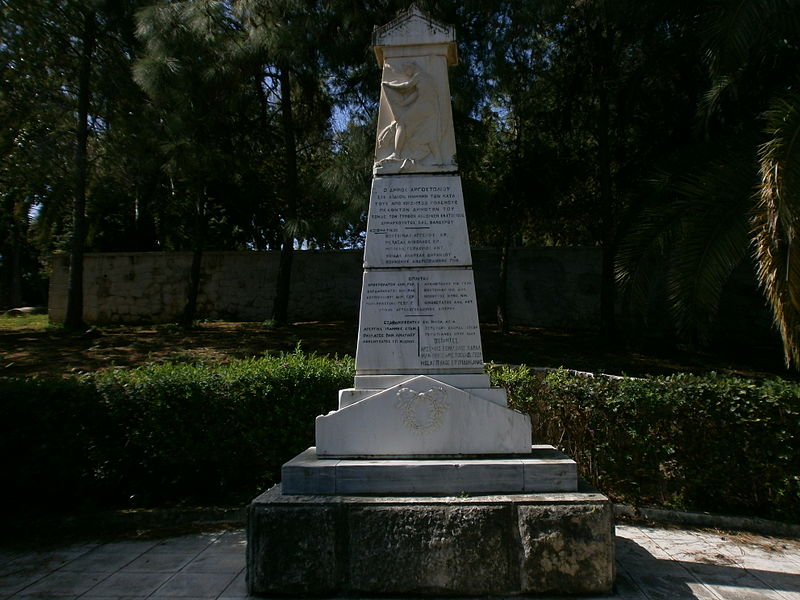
point(557, 543)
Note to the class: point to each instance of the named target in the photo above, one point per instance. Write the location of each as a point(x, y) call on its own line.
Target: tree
point(88, 40)
point(707, 217)
point(68, 68)
point(32, 144)
point(190, 72)
point(287, 40)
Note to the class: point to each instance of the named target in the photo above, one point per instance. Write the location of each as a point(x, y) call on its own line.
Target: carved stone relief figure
point(414, 134)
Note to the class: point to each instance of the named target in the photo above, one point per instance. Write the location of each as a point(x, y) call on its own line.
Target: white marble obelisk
point(420, 387)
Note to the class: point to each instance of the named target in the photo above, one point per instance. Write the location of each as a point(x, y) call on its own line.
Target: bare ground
point(47, 350)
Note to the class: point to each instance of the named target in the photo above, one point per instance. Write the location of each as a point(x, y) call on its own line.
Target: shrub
point(166, 433)
point(711, 443)
point(49, 429)
point(171, 433)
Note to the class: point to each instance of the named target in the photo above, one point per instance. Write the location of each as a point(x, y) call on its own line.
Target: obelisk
point(420, 386)
point(423, 482)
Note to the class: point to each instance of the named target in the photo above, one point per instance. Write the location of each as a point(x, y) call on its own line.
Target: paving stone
point(187, 543)
point(123, 584)
point(231, 560)
point(714, 566)
point(17, 582)
point(231, 538)
point(63, 584)
point(660, 587)
point(99, 561)
point(786, 584)
point(734, 583)
point(665, 580)
point(127, 547)
point(36, 562)
point(629, 549)
point(776, 564)
point(237, 588)
point(626, 588)
point(195, 585)
point(159, 562)
point(645, 548)
point(41, 596)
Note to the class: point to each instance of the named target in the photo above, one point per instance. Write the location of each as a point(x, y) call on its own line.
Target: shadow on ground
point(692, 571)
point(53, 351)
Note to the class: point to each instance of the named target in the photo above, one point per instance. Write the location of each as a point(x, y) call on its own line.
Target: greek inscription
point(417, 225)
point(419, 317)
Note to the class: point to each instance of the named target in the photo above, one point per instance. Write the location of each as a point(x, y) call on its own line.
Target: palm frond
point(721, 86)
point(645, 249)
point(738, 27)
point(713, 242)
point(695, 232)
point(775, 222)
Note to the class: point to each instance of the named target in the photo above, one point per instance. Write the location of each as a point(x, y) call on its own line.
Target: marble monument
point(420, 387)
point(423, 481)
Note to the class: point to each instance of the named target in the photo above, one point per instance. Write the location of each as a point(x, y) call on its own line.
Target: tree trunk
point(144, 225)
point(280, 308)
point(502, 286)
point(74, 314)
point(608, 283)
point(608, 218)
point(15, 296)
point(190, 309)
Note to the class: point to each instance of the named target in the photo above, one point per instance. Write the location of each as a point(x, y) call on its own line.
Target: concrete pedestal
point(455, 545)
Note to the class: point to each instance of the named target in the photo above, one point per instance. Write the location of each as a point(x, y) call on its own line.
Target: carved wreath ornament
point(422, 411)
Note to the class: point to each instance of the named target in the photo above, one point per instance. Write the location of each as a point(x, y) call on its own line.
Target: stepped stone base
point(545, 469)
point(556, 543)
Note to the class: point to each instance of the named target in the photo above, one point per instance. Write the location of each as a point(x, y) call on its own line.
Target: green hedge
point(163, 433)
point(49, 435)
point(171, 433)
point(709, 443)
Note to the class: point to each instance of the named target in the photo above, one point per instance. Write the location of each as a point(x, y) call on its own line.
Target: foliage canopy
point(642, 127)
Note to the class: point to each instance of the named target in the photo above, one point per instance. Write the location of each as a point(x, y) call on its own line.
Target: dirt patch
point(32, 351)
point(53, 351)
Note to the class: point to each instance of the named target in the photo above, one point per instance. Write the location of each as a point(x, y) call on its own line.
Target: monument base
point(558, 543)
point(545, 469)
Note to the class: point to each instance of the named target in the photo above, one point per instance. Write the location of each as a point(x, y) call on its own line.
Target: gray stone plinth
point(557, 543)
point(545, 469)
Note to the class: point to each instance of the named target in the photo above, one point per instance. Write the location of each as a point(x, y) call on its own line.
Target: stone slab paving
point(653, 563)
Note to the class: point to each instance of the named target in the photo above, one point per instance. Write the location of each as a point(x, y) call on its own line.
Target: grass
point(24, 323)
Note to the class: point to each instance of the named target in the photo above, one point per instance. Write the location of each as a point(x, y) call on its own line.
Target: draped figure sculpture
point(414, 134)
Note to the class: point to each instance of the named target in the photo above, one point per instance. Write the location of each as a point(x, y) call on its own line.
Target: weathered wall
point(548, 287)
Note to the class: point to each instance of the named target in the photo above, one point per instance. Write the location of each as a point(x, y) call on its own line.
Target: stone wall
point(548, 287)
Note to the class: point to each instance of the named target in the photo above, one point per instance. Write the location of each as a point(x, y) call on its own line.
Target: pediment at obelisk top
point(414, 28)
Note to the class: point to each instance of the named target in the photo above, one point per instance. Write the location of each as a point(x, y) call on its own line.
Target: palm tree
point(703, 221)
point(775, 221)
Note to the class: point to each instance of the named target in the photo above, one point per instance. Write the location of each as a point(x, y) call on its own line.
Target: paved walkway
point(653, 564)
